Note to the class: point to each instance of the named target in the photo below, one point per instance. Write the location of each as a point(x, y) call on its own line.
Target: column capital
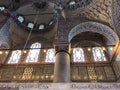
point(62, 47)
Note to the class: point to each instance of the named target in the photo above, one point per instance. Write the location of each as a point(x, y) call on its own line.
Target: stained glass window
point(20, 18)
point(34, 52)
point(30, 25)
point(78, 55)
point(98, 54)
point(15, 57)
point(50, 56)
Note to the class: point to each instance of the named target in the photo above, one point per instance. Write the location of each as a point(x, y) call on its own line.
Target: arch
point(94, 27)
point(33, 53)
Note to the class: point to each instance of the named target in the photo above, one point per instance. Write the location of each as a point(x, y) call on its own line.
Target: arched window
point(50, 56)
point(20, 18)
point(30, 25)
point(34, 52)
point(78, 55)
point(98, 54)
point(15, 57)
point(51, 22)
point(2, 8)
point(72, 2)
point(42, 26)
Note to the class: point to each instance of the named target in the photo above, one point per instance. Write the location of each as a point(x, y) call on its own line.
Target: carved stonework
point(115, 15)
point(62, 46)
point(61, 32)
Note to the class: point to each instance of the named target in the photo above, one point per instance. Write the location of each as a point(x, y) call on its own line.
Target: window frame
point(76, 61)
point(27, 60)
point(103, 54)
point(30, 26)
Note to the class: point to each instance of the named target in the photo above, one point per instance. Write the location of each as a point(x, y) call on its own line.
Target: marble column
point(62, 67)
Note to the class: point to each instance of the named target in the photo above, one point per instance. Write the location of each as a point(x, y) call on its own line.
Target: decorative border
point(61, 86)
point(94, 27)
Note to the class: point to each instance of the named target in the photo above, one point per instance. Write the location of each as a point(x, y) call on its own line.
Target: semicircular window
point(30, 25)
point(98, 54)
point(20, 19)
point(71, 2)
point(78, 55)
point(34, 52)
point(15, 57)
point(42, 26)
point(50, 56)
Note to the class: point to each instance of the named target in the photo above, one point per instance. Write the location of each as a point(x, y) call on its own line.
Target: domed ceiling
point(42, 15)
point(39, 16)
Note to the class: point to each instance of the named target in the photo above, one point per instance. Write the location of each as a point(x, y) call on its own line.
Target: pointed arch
point(33, 53)
point(94, 27)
